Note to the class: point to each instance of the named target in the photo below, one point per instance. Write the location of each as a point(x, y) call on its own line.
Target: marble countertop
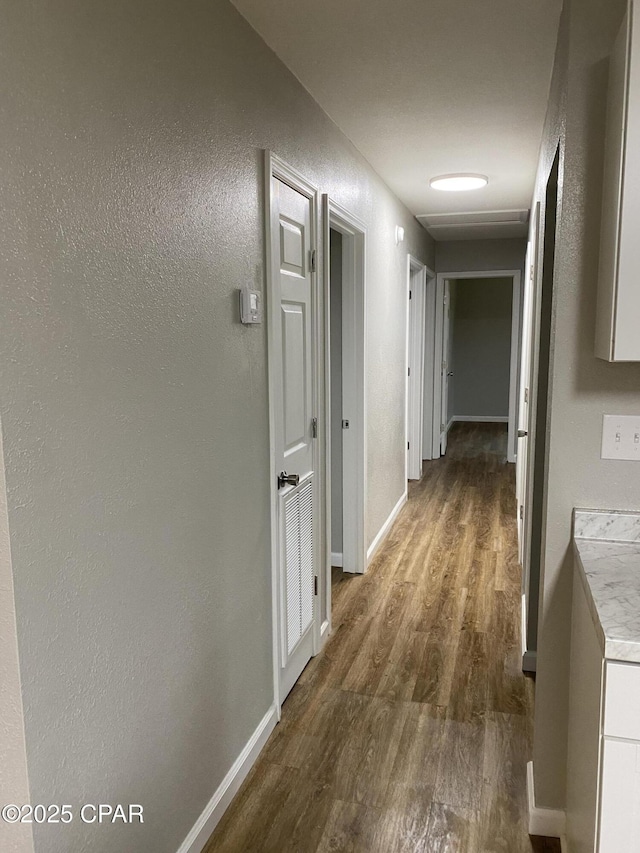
point(608, 549)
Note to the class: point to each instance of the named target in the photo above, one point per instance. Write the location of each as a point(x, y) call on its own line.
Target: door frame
point(516, 276)
point(418, 277)
point(354, 446)
point(279, 169)
point(429, 365)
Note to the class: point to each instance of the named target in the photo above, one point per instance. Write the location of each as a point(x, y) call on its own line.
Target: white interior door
point(524, 399)
point(446, 373)
point(292, 352)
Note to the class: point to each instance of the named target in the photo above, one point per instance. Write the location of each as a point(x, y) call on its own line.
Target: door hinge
point(312, 260)
point(531, 273)
point(408, 371)
point(345, 424)
point(410, 295)
point(314, 427)
point(315, 585)
point(526, 395)
point(408, 445)
point(521, 511)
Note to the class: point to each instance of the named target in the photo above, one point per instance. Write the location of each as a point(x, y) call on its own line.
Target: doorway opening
point(344, 265)
point(477, 336)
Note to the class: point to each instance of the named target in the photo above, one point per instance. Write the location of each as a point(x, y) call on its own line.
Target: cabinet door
point(585, 693)
point(620, 797)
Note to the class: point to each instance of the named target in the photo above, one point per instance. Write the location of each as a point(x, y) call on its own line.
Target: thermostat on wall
point(250, 306)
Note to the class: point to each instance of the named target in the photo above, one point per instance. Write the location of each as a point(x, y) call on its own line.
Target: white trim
point(354, 344)
point(479, 419)
point(429, 357)
point(564, 847)
point(415, 355)
point(336, 559)
point(202, 829)
point(277, 168)
point(516, 276)
point(438, 343)
point(548, 822)
point(529, 657)
point(384, 530)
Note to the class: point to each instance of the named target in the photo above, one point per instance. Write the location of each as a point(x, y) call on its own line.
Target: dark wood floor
point(411, 730)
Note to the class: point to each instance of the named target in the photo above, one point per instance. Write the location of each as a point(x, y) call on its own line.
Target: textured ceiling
point(426, 87)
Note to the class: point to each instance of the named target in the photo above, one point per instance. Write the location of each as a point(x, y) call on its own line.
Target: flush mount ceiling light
point(458, 183)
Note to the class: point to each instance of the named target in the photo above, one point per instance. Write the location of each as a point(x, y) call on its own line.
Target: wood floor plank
point(410, 732)
point(350, 829)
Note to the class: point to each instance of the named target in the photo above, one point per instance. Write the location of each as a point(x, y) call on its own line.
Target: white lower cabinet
point(620, 797)
point(603, 772)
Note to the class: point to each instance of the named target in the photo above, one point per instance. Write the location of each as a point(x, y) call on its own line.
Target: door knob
point(285, 479)
point(522, 433)
point(450, 373)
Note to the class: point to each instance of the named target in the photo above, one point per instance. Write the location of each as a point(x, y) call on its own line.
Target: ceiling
point(428, 87)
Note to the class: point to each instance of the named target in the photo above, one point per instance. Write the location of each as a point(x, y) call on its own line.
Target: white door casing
point(429, 358)
point(416, 330)
point(293, 398)
point(354, 439)
point(445, 368)
point(440, 390)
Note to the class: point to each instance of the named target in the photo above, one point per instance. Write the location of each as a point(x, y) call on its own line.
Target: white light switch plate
point(621, 437)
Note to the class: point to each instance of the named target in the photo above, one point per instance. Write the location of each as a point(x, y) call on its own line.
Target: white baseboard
point(548, 822)
point(336, 559)
point(380, 536)
point(480, 419)
point(217, 805)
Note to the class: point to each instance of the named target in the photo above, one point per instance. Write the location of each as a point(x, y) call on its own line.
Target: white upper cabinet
point(618, 316)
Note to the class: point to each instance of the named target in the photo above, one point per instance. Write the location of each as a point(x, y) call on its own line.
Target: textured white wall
point(582, 388)
point(480, 255)
point(134, 404)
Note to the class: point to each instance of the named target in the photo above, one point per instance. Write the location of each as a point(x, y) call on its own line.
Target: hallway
point(412, 730)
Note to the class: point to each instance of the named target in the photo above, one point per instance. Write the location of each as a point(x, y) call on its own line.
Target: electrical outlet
point(621, 437)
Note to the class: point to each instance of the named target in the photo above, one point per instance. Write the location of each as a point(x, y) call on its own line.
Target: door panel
point(523, 400)
point(295, 414)
point(525, 427)
point(293, 354)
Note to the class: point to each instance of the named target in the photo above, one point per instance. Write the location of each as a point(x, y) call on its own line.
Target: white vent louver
point(481, 224)
point(298, 543)
point(481, 217)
